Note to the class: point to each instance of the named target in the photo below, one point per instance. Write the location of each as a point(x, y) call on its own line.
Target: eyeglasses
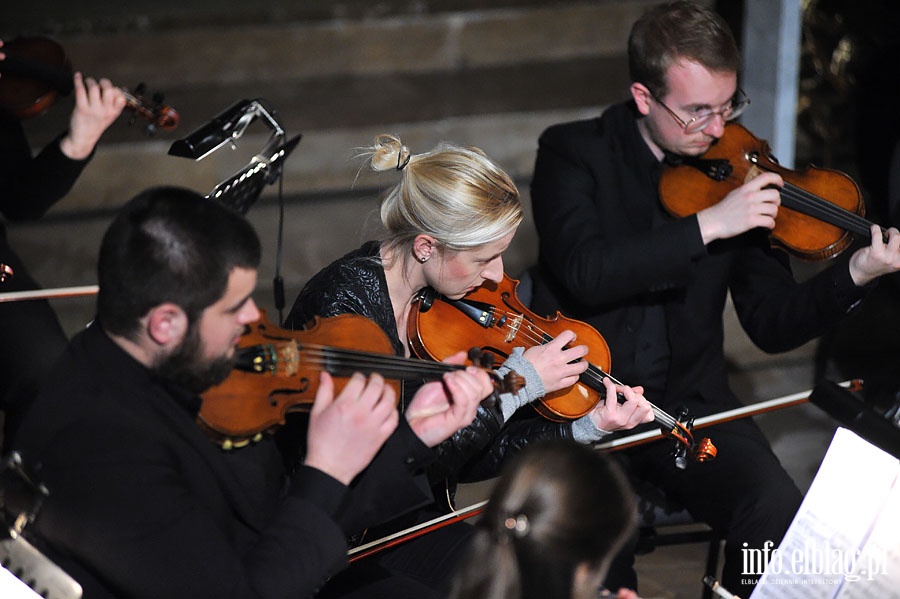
point(736, 108)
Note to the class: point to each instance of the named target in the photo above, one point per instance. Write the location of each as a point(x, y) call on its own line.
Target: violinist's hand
point(440, 408)
point(97, 106)
point(747, 207)
point(878, 258)
point(345, 432)
point(609, 415)
point(556, 364)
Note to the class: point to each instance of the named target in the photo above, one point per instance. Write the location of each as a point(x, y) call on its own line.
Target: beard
point(187, 368)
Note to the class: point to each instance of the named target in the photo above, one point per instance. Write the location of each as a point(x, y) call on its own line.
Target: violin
point(276, 372)
point(493, 318)
point(821, 209)
point(36, 73)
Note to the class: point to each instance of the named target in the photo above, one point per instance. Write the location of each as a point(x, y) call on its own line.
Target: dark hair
point(556, 505)
point(679, 30)
point(169, 244)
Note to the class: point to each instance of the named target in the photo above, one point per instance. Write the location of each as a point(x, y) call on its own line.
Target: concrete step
point(490, 73)
point(423, 73)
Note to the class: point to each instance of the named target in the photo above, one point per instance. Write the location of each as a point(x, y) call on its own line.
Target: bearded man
point(142, 502)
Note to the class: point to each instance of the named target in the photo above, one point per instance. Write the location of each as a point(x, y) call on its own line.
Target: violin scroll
point(511, 382)
point(685, 446)
point(704, 450)
point(157, 114)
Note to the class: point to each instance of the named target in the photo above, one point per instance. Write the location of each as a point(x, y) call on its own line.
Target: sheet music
point(844, 541)
point(13, 588)
point(883, 544)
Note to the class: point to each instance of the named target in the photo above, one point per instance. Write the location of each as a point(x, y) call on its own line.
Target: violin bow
point(17, 296)
point(413, 532)
point(747, 411)
point(465, 513)
point(505, 316)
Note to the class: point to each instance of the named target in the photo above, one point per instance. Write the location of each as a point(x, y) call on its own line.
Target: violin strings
point(811, 204)
point(354, 359)
point(594, 373)
point(390, 366)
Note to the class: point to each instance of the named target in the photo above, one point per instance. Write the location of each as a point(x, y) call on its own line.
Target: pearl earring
point(423, 259)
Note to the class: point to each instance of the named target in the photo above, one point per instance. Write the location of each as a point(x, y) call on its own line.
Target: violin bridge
point(289, 357)
point(753, 172)
point(514, 327)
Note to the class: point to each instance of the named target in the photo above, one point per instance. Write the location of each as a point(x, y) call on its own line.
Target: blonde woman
point(447, 223)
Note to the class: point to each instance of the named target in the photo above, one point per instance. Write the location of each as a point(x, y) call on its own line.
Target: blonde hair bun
point(388, 153)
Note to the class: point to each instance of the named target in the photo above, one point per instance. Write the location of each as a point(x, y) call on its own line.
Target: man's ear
point(642, 97)
point(167, 324)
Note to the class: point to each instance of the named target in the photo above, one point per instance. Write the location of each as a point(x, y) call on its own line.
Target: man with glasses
point(655, 286)
point(703, 117)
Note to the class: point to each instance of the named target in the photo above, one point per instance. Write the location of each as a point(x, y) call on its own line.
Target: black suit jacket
point(143, 504)
point(609, 252)
point(30, 334)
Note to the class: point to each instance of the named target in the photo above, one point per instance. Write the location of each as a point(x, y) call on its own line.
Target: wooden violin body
point(493, 318)
point(35, 73)
point(441, 329)
point(821, 209)
point(277, 372)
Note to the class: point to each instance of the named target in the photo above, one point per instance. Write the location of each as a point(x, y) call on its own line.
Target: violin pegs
point(705, 450)
point(481, 358)
point(512, 382)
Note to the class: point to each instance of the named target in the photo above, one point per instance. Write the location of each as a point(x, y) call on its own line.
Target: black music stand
point(243, 188)
point(857, 415)
point(21, 498)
